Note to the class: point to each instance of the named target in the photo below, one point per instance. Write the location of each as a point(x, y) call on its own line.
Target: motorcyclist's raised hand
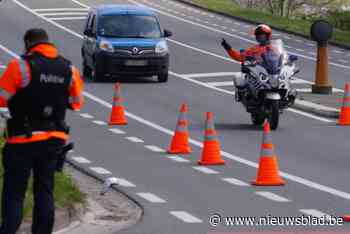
point(225, 44)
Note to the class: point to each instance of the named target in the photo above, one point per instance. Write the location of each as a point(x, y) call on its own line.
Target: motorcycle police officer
point(37, 89)
point(263, 34)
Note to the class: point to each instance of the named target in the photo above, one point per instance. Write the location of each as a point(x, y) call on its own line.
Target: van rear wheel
point(163, 77)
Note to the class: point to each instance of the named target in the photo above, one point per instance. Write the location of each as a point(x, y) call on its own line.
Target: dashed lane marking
point(343, 61)
point(154, 148)
point(205, 170)
point(300, 50)
point(314, 212)
point(185, 217)
point(125, 183)
point(134, 139)
point(214, 74)
point(2, 66)
point(235, 181)
point(179, 159)
point(81, 160)
point(63, 13)
point(116, 131)
point(272, 196)
point(151, 197)
point(60, 9)
point(100, 170)
point(68, 18)
point(99, 122)
point(337, 51)
point(221, 83)
point(86, 116)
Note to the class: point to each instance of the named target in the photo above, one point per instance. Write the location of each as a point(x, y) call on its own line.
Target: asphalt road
point(177, 197)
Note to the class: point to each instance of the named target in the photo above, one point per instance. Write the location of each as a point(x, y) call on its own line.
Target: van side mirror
point(167, 33)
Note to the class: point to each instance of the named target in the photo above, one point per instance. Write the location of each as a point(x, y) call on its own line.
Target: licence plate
point(136, 62)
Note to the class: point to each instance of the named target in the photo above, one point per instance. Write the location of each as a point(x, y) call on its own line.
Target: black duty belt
point(27, 128)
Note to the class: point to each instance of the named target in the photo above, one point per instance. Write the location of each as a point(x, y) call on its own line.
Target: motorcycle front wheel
point(274, 114)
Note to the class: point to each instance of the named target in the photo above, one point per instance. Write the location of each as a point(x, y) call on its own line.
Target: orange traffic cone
point(344, 117)
point(211, 154)
point(117, 115)
point(268, 172)
point(180, 142)
point(346, 218)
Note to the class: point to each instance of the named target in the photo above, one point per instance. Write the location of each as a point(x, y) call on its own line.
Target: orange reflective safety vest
point(17, 85)
point(254, 51)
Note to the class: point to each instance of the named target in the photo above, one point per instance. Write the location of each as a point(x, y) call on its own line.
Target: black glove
point(62, 153)
point(225, 45)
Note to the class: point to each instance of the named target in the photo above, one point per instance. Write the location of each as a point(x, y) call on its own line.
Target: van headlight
point(162, 47)
point(106, 46)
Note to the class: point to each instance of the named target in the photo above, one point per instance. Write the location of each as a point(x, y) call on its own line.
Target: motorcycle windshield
point(273, 58)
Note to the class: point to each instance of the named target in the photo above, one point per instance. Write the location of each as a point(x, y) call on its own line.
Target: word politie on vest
point(47, 78)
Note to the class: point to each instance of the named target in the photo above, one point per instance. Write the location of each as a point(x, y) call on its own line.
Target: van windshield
point(129, 26)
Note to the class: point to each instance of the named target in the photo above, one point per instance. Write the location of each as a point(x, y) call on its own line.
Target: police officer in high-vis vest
point(37, 89)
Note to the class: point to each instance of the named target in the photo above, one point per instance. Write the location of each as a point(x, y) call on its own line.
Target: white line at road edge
point(81, 160)
point(205, 170)
point(314, 212)
point(272, 196)
point(185, 217)
point(285, 175)
point(235, 181)
point(100, 170)
point(151, 197)
point(226, 33)
point(116, 131)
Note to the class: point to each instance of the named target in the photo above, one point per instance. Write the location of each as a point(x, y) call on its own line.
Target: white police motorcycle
point(264, 84)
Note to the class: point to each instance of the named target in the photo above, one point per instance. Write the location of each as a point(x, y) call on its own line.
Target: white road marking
point(124, 183)
point(185, 217)
point(99, 122)
point(219, 18)
point(236, 158)
point(238, 24)
point(64, 13)
point(179, 159)
point(68, 18)
point(310, 44)
point(343, 61)
point(300, 81)
point(60, 9)
point(311, 116)
point(301, 50)
point(214, 74)
point(2, 66)
point(86, 116)
point(81, 160)
point(337, 51)
point(297, 40)
point(220, 83)
point(116, 131)
point(314, 212)
point(288, 47)
point(287, 37)
point(154, 148)
point(272, 196)
point(205, 170)
point(223, 27)
point(235, 181)
point(233, 30)
point(134, 139)
point(312, 53)
point(100, 170)
point(151, 197)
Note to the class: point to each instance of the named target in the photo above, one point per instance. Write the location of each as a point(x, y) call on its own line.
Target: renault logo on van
point(135, 50)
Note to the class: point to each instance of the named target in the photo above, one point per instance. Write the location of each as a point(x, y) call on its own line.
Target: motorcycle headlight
point(162, 47)
point(274, 83)
point(106, 46)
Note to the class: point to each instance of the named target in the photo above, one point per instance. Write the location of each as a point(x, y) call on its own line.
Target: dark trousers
point(19, 160)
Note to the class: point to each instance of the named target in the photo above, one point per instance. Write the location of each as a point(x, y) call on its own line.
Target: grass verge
point(295, 25)
point(66, 193)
